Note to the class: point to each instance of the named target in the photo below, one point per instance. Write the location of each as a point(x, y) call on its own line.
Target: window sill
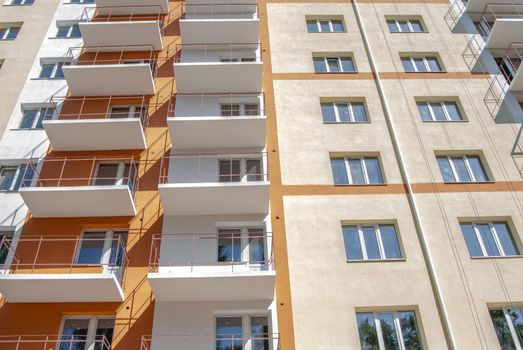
point(439, 72)
point(327, 32)
point(354, 72)
point(48, 79)
point(335, 123)
point(445, 121)
point(24, 129)
point(57, 38)
point(359, 185)
point(8, 39)
point(376, 261)
point(423, 32)
point(496, 257)
point(470, 183)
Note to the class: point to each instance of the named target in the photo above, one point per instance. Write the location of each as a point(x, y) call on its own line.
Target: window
point(245, 244)
point(462, 169)
point(343, 112)
point(68, 31)
point(130, 111)
point(115, 173)
point(9, 33)
point(388, 330)
point(52, 71)
point(333, 65)
point(421, 64)
point(81, 1)
point(483, 27)
point(105, 248)
point(371, 242)
point(508, 66)
point(5, 245)
point(443, 111)
point(405, 26)
point(239, 109)
point(22, 2)
point(33, 117)
point(508, 323)
point(356, 171)
point(234, 332)
point(79, 333)
point(325, 26)
point(240, 170)
point(14, 177)
point(489, 239)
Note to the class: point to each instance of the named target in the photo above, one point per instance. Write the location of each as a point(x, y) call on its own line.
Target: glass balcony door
point(246, 332)
point(246, 244)
point(86, 333)
point(105, 248)
point(240, 170)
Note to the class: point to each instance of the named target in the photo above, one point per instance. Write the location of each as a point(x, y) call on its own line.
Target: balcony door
point(246, 332)
point(115, 173)
point(105, 248)
point(86, 333)
point(127, 112)
point(242, 246)
point(240, 170)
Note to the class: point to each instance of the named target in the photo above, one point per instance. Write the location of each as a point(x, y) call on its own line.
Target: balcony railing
point(119, 54)
point(223, 252)
point(122, 14)
point(38, 255)
point(263, 341)
point(493, 12)
point(217, 105)
point(224, 53)
point(512, 60)
point(33, 342)
point(92, 171)
point(221, 11)
point(112, 107)
point(214, 168)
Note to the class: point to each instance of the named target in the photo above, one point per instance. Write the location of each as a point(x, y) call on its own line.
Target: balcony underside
point(215, 198)
point(256, 285)
point(110, 80)
point(131, 34)
point(79, 201)
point(477, 6)
point(212, 77)
point(217, 132)
point(149, 6)
point(504, 31)
point(60, 288)
point(204, 31)
point(95, 134)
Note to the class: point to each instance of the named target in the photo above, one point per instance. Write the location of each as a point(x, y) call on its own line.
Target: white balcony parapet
point(148, 6)
point(215, 68)
point(36, 273)
point(207, 184)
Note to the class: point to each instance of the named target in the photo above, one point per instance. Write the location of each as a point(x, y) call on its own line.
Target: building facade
point(271, 174)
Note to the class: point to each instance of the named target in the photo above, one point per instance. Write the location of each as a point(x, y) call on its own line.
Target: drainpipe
point(410, 195)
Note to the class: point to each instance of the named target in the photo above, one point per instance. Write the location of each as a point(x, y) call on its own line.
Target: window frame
point(107, 248)
point(243, 169)
point(468, 167)
point(495, 237)
point(39, 118)
point(246, 324)
point(70, 29)
point(409, 24)
point(425, 63)
point(329, 20)
point(22, 3)
point(352, 119)
point(18, 177)
point(379, 240)
point(244, 238)
point(56, 66)
point(364, 170)
point(513, 333)
point(91, 329)
point(8, 29)
point(339, 62)
point(445, 111)
point(119, 178)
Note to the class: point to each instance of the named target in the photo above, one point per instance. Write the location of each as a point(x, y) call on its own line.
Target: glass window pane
point(392, 26)
point(339, 172)
point(252, 109)
point(424, 111)
point(433, 64)
point(327, 111)
point(256, 246)
point(505, 238)
point(488, 240)
point(446, 170)
point(373, 170)
point(25, 176)
point(351, 239)
point(47, 70)
point(254, 170)
point(59, 72)
point(453, 111)
point(62, 32)
point(312, 26)
point(502, 330)
point(28, 119)
point(319, 64)
point(367, 331)
point(409, 330)
point(75, 32)
point(420, 65)
point(260, 333)
point(371, 242)
point(356, 171)
point(471, 240)
point(44, 114)
point(5, 244)
point(74, 333)
point(324, 26)
point(404, 26)
point(437, 109)
point(477, 168)
point(91, 248)
point(229, 245)
point(388, 329)
point(13, 32)
point(106, 175)
point(7, 176)
point(390, 242)
point(104, 333)
point(461, 169)
point(416, 26)
point(343, 112)
point(358, 110)
point(230, 170)
point(516, 315)
point(229, 333)
point(333, 64)
point(407, 64)
point(347, 65)
point(337, 26)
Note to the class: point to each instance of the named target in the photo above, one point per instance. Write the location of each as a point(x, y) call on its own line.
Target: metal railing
point(214, 168)
point(225, 251)
point(96, 14)
point(221, 11)
point(47, 342)
point(513, 57)
point(225, 53)
point(493, 12)
point(71, 171)
point(453, 15)
point(113, 54)
point(262, 341)
point(38, 254)
point(217, 105)
point(112, 107)
point(473, 50)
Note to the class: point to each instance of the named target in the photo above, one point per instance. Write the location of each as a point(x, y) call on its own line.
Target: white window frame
point(18, 173)
point(494, 233)
point(409, 24)
point(363, 167)
point(130, 113)
point(331, 27)
point(467, 166)
point(381, 248)
point(444, 108)
point(55, 64)
point(91, 330)
point(246, 325)
point(243, 167)
point(244, 239)
point(352, 119)
point(106, 255)
point(241, 109)
point(119, 174)
point(69, 31)
point(22, 3)
point(38, 115)
point(7, 31)
point(511, 327)
point(397, 324)
point(425, 63)
point(338, 58)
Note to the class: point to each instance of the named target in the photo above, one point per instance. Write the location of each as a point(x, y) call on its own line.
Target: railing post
point(91, 173)
point(37, 253)
point(61, 171)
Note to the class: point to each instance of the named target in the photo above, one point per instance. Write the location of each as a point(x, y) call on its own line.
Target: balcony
point(212, 23)
point(98, 123)
point(501, 24)
point(86, 269)
point(110, 71)
point(212, 267)
point(148, 7)
point(509, 66)
point(128, 26)
point(262, 341)
point(214, 68)
point(209, 184)
point(58, 342)
point(217, 121)
point(80, 187)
